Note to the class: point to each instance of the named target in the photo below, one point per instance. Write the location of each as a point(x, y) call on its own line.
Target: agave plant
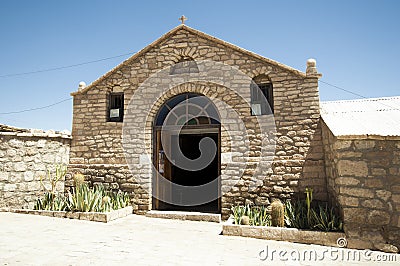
point(53, 202)
point(237, 212)
point(86, 199)
point(82, 198)
point(316, 217)
point(240, 211)
point(119, 200)
point(325, 219)
point(258, 215)
point(296, 214)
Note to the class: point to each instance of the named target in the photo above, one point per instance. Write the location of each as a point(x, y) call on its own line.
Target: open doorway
point(187, 138)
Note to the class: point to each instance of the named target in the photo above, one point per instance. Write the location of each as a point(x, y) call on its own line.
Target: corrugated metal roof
point(375, 116)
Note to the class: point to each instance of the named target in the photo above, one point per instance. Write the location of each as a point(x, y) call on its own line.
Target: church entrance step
point(191, 216)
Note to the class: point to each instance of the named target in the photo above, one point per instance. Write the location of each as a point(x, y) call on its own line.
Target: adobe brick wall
point(97, 151)
point(363, 180)
point(24, 157)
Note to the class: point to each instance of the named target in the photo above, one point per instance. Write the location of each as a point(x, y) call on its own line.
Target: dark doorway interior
point(189, 145)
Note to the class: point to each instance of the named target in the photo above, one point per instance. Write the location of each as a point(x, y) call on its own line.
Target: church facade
point(247, 103)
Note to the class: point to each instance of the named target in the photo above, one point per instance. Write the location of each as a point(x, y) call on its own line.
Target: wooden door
point(163, 165)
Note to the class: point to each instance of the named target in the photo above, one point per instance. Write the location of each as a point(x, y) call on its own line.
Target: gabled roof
point(200, 34)
point(374, 116)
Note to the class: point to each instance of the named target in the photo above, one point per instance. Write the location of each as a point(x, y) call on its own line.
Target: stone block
point(357, 192)
point(396, 198)
point(373, 182)
point(72, 215)
point(100, 217)
point(383, 194)
point(16, 143)
point(23, 211)
point(252, 231)
point(364, 144)
point(272, 233)
point(359, 243)
point(352, 168)
point(386, 248)
point(77, 160)
point(348, 201)
point(231, 230)
point(355, 215)
point(290, 234)
point(373, 204)
point(47, 213)
point(375, 235)
point(20, 167)
point(342, 144)
point(88, 216)
point(113, 215)
point(3, 176)
point(349, 155)
point(9, 187)
point(309, 237)
point(376, 217)
point(29, 176)
point(60, 214)
point(332, 238)
point(347, 181)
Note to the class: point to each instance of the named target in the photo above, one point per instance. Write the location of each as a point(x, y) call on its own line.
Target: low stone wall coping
point(37, 134)
point(104, 217)
point(333, 239)
point(367, 137)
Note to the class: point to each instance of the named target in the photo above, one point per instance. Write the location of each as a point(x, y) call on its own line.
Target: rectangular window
point(115, 110)
point(258, 104)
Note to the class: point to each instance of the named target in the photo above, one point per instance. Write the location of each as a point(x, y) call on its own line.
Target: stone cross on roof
point(183, 19)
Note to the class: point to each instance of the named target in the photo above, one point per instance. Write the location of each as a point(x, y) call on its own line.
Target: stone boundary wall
point(363, 180)
point(24, 157)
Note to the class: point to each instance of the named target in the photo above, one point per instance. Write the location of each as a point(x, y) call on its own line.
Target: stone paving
point(139, 240)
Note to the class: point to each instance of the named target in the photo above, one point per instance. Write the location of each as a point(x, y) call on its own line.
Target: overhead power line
point(36, 108)
point(356, 94)
point(68, 99)
point(337, 87)
point(63, 67)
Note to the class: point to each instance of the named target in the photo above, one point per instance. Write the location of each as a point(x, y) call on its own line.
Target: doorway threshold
point(183, 215)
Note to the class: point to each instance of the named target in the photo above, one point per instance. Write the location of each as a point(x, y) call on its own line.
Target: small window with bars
point(262, 101)
point(115, 111)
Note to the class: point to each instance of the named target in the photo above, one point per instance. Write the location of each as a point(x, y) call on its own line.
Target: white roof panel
point(375, 116)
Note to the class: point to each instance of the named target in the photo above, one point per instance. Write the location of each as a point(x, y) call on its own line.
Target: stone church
point(101, 113)
point(189, 98)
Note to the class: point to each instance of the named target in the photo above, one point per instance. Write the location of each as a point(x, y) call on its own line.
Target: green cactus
point(245, 220)
point(78, 179)
point(277, 213)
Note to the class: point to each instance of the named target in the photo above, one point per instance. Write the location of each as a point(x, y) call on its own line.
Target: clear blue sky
point(356, 44)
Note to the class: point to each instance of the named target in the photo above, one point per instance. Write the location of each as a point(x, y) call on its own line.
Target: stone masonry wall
point(24, 157)
point(97, 151)
point(363, 180)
